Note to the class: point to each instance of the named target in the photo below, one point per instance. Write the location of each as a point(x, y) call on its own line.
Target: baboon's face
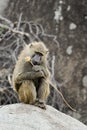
point(39, 53)
point(37, 58)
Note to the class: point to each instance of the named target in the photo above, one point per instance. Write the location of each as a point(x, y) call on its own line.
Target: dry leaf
point(27, 58)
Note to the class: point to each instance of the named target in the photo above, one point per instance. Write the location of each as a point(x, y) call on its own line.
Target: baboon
point(31, 75)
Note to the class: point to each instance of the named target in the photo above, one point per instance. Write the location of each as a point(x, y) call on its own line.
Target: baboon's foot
point(40, 104)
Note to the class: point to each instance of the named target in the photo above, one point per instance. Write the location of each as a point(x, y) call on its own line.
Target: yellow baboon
point(31, 75)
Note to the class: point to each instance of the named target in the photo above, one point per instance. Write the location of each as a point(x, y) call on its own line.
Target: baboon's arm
point(28, 76)
point(43, 69)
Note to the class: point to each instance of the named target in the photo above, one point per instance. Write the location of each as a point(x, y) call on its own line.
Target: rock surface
point(27, 117)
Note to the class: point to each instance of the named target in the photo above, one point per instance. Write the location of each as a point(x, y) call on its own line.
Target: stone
point(28, 117)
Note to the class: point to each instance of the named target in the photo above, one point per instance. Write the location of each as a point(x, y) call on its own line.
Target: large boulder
point(28, 117)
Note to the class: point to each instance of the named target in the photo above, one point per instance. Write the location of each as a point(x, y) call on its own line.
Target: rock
point(28, 117)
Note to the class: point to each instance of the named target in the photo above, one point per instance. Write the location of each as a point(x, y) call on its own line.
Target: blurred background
point(62, 26)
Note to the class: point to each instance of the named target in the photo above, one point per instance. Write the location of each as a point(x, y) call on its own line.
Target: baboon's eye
point(40, 54)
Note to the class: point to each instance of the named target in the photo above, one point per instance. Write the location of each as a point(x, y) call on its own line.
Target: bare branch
point(13, 30)
point(19, 22)
point(7, 21)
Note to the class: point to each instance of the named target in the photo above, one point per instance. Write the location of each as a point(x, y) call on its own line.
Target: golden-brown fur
point(31, 82)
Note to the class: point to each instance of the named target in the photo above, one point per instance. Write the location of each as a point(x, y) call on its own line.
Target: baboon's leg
point(27, 92)
point(42, 94)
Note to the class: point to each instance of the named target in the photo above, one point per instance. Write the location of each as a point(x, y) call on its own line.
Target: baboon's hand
point(37, 68)
point(42, 69)
point(46, 72)
point(40, 73)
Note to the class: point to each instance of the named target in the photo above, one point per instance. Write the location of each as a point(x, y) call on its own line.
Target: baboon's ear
point(47, 51)
point(30, 45)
